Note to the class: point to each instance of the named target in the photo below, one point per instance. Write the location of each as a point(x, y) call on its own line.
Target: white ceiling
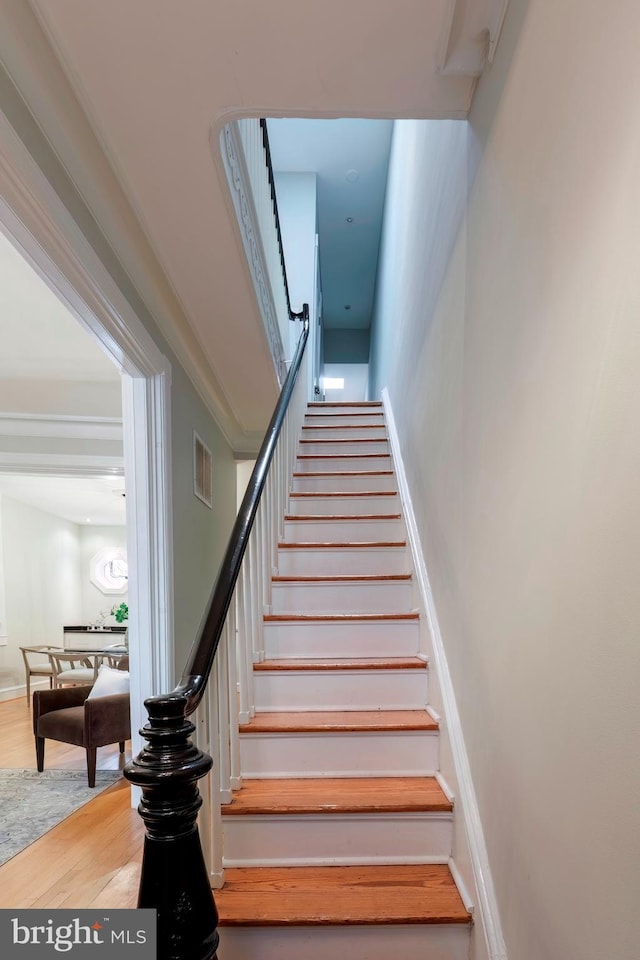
point(41, 341)
point(39, 338)
point(350, 159)
point(157, 80)
point(98, 501)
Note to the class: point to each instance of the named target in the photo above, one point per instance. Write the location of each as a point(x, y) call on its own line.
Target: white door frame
point(41, 226)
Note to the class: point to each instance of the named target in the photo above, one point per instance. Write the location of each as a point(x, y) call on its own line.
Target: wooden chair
point(73, 668)
point(41, 668)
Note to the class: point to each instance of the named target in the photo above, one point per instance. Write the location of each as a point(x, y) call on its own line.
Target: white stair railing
point(229, 698)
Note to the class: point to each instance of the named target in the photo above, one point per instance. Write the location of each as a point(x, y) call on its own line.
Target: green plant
point(121, 613)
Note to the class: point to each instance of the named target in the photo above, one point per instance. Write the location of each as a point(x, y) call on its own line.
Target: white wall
point(507, 331)
point(42, 581)
point(94, 602)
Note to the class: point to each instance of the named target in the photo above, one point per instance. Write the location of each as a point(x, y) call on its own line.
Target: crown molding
point(62, 464)
point(60, 427)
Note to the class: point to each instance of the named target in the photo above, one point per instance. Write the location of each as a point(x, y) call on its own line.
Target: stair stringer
point(470, 861)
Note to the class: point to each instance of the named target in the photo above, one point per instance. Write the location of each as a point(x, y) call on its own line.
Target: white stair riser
point(366, 942)
point(334, 639)
point(341, 561)
point(389, 753)
point(354, 482)
point(329, 409)
point(376, 596)
point(342, 531)
point(346, 420)
point(282, 690)
point(335, 448)
point(343, 432)
point(315, 464)
point(325, 506)
point(301, 840)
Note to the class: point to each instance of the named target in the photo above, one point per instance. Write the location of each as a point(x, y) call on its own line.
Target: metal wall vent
point(202, 483)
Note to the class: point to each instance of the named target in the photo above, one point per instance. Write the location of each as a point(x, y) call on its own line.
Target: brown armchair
point(65, 714)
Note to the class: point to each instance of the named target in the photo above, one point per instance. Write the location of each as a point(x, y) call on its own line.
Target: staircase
point(342, 821)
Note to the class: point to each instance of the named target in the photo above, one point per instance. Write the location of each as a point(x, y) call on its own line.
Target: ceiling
point(350, 158)
point(41, 342)
point(95, 501)
point(132, 97)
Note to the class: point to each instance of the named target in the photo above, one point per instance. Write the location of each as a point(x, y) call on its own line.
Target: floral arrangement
point(121, 612)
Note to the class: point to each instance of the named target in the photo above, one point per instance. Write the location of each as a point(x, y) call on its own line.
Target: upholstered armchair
point(69, 715)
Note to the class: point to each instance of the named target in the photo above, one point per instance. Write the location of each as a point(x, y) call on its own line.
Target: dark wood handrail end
point(174, 879)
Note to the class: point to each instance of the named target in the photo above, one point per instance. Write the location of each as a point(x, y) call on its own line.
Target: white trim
point(61, 464)
point(444, 786)
point(338, 774)
point(19, 690)
point(467, 801)
point(460, 884)
point(330, 861)
point(239, 182)
point(4, 636)
point(41, 226)
point(60, 427)
point(433, 713)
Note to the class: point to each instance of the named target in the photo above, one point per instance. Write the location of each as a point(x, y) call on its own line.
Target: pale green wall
point(507, 331)
point(200, 535)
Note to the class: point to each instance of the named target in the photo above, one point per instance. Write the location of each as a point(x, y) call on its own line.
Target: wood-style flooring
point(91, 859)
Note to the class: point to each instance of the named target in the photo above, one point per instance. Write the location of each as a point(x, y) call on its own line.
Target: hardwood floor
point(91, 859)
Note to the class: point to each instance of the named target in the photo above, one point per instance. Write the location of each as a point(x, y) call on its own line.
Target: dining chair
point(35, 665)
point(73, 668)
point(114, 654)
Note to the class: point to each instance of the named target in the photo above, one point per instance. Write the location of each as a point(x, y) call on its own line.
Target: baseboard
point(20, 690)
point(486, 904)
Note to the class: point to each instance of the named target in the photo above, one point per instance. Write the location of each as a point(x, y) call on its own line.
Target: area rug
point(31, 803)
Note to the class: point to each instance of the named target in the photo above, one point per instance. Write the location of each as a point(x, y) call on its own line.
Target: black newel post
point(174, 877)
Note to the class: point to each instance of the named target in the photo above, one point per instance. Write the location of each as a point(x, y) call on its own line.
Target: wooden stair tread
point(339, 617)
point(341, 456)
point(336, 795)
point(342, 493)
point(351, 663)
point(322, 544)
point(344, 473)
point(342, 426)
point(346, 578)
point(364, 413)
point(344, 403)
point(343, 439)
point(311, 896)
point(329, 517)
point(325, 721)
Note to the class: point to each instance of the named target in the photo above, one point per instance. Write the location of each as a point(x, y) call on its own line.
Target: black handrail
point(174, 877)
point(196, 672)
point(274, 202)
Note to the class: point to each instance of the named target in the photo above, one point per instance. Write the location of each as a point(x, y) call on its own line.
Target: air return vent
point(202, 486)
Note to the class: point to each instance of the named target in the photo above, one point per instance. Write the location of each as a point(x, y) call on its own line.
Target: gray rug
point(31, 803)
